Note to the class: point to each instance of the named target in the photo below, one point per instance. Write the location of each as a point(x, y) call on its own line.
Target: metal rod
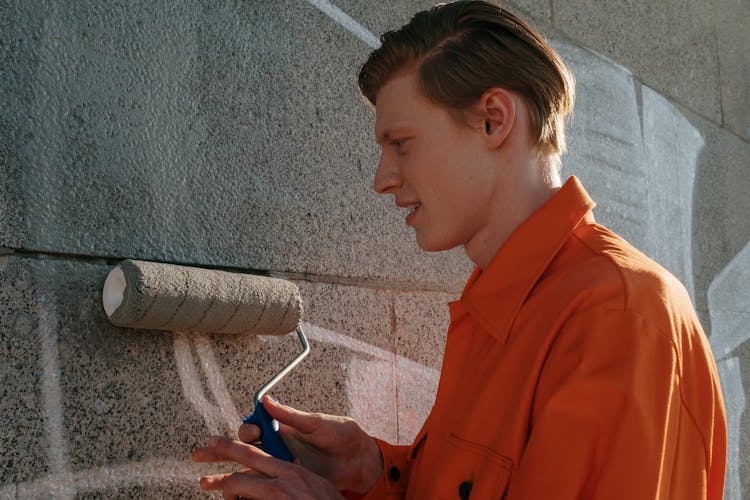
point(275, 379)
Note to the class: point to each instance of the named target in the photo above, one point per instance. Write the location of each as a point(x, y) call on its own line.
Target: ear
point(497, 109)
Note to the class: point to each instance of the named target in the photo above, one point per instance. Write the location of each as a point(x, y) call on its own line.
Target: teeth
point(414, 207)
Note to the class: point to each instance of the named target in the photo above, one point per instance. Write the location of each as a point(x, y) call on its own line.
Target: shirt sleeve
point(396, 470)
point(608, 417)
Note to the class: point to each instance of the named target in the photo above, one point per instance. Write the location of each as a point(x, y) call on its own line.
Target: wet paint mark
point(216, 383)
point(342, 19)
point(191, 383)
point(57, 448)
point(369, 381)
point(9, 492)
point(324, 335)
point(156, 473)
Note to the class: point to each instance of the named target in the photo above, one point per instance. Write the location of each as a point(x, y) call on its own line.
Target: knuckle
point(292, 472)
point(231, 485)
point(350, 425)
point(218, 444)
point(276, 489)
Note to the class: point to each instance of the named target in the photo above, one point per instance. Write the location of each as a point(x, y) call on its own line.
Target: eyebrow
point(389, 133)
point(383, 138)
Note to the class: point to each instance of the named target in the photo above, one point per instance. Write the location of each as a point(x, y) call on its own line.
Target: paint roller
point(140, 294)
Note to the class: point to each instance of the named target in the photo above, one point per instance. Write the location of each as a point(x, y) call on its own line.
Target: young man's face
point(431, 161)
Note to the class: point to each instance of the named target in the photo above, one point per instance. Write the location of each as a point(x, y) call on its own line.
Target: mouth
point(412, 208)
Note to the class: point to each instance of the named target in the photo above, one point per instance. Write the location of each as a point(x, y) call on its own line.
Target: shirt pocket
point(471, 470)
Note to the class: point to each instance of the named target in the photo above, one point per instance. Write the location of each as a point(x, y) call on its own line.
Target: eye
point(399, 143)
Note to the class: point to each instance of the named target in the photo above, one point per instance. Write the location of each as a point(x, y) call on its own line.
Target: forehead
point(399, 103)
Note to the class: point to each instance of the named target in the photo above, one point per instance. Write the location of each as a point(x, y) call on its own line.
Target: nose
point(387, 176)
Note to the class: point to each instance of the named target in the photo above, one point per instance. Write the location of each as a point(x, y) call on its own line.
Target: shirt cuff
point(396, 470)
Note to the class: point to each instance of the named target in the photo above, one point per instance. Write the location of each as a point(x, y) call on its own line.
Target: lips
point(411, 206)
point(413, 210)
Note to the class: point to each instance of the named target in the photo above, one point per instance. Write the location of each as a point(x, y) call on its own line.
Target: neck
point(524, 187)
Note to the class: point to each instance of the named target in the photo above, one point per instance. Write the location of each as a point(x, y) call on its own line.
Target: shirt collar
point(494, 296)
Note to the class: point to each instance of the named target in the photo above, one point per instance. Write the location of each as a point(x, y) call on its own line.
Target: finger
point(301, 421)
point(206, 455)
point(209, 454)
point(247, 455)
point(239, 485)
point(216, 481)
point(249, 433)
point(213, 453)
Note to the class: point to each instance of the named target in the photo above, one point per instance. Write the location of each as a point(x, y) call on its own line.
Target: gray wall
point(230, 134)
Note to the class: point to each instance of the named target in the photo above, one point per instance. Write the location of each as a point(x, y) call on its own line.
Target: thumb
point(299, 420)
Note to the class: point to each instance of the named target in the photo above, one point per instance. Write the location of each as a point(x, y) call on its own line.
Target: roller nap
point(140, 294)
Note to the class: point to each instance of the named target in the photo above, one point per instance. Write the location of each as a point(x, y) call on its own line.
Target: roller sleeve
point(141, 294)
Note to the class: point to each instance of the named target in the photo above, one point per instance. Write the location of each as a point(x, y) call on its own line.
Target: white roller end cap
point(114, 289)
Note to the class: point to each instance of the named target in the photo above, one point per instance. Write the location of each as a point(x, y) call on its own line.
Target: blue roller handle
point(269, 433)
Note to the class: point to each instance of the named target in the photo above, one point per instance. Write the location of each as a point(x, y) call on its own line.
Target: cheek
point(453, 174)
point(473, 196)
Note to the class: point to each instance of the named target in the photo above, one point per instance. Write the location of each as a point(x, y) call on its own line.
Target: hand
point(335, 448)
point(265, 477)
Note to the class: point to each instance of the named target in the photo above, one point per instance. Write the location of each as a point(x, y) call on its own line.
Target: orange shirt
point(575, 367)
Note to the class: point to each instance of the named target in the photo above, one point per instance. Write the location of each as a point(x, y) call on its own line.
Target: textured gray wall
point(230, 134)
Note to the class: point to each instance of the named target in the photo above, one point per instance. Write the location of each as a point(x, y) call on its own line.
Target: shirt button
point(464, 490)
point(394, 473)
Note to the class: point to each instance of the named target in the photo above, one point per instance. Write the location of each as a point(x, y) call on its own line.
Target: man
point(575, 367)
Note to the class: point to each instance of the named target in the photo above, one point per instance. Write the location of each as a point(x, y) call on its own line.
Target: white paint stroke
point(417, 381)
point(191, 383)
point(370, 389)
point(8, 492)
point(216, 383)
point(342, 19)
point(321, 334)
point(57, 449)
point(156, 472)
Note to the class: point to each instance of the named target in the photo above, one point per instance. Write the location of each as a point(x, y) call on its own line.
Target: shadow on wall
point(721, 274)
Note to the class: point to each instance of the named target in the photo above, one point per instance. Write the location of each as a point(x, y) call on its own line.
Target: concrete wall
point(230, 134)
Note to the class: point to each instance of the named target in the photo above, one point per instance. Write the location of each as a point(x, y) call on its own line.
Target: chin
point(435, 245)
